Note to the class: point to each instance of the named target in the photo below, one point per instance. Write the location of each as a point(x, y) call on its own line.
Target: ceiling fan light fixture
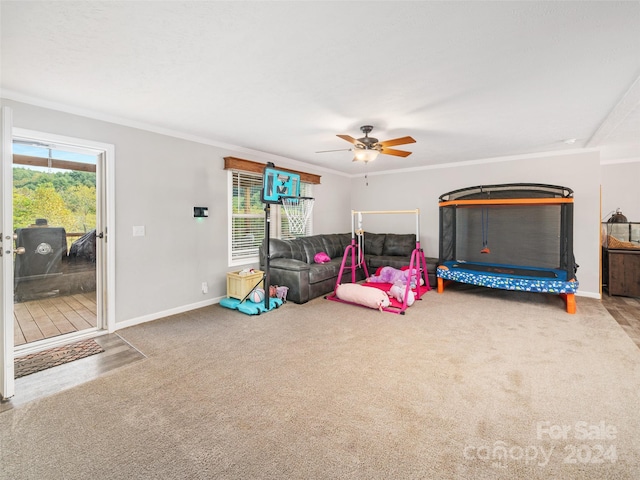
point(365, 155)
point(367, 148)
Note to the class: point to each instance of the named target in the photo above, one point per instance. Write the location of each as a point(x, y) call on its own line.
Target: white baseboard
point(173, 311)
point(596, 295)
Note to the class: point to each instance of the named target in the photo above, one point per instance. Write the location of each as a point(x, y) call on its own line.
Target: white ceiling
point(468, 80)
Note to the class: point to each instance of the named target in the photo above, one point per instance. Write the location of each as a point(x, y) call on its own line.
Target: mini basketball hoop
point(298, 211)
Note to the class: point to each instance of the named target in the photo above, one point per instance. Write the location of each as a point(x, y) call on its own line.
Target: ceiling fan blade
point(393, 151)
point(350, 139)
point(339, 150)
point(397, 141)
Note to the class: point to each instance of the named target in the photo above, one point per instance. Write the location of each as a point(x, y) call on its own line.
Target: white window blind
point(248, 217)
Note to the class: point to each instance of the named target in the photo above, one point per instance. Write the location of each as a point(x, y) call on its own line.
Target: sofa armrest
point(293, 274)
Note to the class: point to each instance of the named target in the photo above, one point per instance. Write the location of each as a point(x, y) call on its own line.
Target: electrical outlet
point(205, 287)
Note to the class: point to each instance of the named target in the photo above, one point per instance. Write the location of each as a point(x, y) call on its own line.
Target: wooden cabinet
point(621, 272)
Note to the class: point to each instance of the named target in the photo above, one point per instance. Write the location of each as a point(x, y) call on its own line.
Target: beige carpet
point(330, 391)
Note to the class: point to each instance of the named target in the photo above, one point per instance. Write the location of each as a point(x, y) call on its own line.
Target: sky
point(41, 152)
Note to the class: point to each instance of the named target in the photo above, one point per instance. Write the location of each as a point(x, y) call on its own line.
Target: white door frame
point(7, 383)
point(105, 217)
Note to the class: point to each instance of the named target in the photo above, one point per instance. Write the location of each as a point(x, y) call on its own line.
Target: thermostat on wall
point(200, 211)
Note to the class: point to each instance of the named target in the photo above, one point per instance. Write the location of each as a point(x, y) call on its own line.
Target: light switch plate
point(138, 230)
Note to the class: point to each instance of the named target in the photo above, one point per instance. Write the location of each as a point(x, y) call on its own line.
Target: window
point(248, 217)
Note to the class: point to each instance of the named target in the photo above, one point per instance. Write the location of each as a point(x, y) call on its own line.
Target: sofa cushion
point(376, 261)
point(324, 271)
point(398, 245)
point(279, 248)
point(312, 245)
point(373, 243)
point(336, 243)
point(298, 252)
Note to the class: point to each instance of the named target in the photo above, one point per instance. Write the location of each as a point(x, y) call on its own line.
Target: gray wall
point(421, 189)
point(158, 181)
point(160, 178)
point(621, 189)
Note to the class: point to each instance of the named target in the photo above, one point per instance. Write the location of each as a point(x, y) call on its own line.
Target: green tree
point(23, 208)
point(65, 199)
point(49, 205)
point(81, 200)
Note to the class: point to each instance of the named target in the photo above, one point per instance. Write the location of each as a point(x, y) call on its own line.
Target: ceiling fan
point(368, 148)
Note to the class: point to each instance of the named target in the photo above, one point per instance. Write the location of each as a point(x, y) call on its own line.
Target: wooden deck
point(49, 317)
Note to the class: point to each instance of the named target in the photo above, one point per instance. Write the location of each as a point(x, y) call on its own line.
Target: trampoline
point(506, 270)
point(511, 237)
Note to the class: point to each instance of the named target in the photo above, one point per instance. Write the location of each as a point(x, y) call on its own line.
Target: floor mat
point(36, 362)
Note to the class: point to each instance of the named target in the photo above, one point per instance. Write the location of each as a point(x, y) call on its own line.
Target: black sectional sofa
point(292, 261)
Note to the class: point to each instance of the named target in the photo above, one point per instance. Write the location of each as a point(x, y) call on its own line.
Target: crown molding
point(618, 161)
point(627, 104)
point(126, 122)
point(485, 161)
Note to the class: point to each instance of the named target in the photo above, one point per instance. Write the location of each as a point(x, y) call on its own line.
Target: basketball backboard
point(279, 183)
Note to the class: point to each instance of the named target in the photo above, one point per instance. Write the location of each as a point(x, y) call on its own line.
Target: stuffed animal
point(281, 293)
point(371, 297)
point(321, 257)
point(397, 292)
point(394, 276)
point(278, 291)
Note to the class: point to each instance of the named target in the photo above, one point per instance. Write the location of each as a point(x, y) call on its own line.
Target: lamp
point(365, 155)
